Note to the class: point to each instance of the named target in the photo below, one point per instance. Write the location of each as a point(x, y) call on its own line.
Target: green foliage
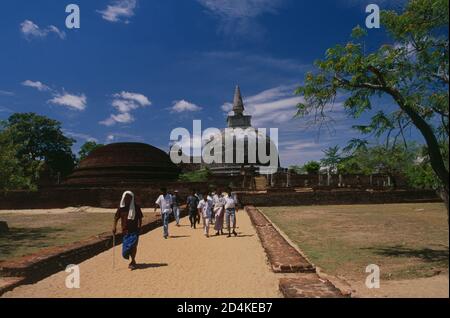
point(87, 148)
point(409, 161)
point(332, 158)
point(297, 169)
point(28, 143)
point(413, 71)
point(12, 173)
point(196, 176)
point(312, 167)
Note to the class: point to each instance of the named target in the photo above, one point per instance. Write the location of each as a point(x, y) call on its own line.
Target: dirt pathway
point(186, 265)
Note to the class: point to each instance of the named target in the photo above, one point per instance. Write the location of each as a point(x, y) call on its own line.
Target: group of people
point(212, 207)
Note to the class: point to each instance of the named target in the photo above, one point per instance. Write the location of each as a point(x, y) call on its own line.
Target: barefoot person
point(192, 204)
point(164, 202)
point(200, 198)
point(230, 211)
point(130, 216)
point(219, 211)
point(205, 209)
point(176, 206)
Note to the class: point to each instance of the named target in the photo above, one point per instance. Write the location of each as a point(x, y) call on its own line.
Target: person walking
point(130, 216)
point(164, 202)
point(230, 212)
point(192, 205)
point(176, 206)
point(200, 198)
point(205, 209)
point(219, 211)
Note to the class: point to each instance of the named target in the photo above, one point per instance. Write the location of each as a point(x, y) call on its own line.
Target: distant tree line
point(409, 161)
point(32, 146)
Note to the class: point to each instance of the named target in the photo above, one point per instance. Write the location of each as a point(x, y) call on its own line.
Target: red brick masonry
point(284, 258)
point(308, 287)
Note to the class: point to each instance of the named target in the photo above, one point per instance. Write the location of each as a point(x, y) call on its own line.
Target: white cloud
point(58, 32)
point(124, 103)
point(123, 118)
point(227, 107)
point(6, 93)
point(136, 97)
point(124, 106)
point(31, 30)
point(77, 102)
point(81, 136)
point(233, 9)
point(270, 108)
point(72, 101)
point(259, 61)
point(119, 11)
point(37, 85)
point(115, 137)
point(238, 17)
point(184, 106)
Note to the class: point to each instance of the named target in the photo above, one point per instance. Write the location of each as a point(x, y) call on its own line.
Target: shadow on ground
point(26, 238)
point(425, 254)
point(153, 265)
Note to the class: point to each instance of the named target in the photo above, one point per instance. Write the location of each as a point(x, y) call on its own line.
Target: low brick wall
point(303, 282)
point(107, 197)
point(62, 197)
point(337, 198)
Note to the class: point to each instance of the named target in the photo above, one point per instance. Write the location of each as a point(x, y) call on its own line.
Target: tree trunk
point(434, 150)
point(443, 193)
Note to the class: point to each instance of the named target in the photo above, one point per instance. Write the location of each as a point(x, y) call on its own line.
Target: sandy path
point(84, 209)
point(186, 265)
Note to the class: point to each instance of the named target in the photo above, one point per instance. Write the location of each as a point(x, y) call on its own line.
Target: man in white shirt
point(231, 204)
point(205, 209)
point(164, 202)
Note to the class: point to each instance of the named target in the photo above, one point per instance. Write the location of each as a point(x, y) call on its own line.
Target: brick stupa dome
point(124, 163)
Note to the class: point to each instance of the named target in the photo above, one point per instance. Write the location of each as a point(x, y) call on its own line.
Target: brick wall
point(338, 197)
point(60, 197)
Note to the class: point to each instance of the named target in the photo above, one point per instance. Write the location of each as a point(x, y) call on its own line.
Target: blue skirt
point(130, 241)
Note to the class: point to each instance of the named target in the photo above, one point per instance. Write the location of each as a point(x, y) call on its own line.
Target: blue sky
point(137, 69)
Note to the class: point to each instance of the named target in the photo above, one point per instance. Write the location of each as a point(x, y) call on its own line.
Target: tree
point(332, 158)
point(202, 175)
point(410, 161)
point(87, 148)
point(312, 167)
point(12, 174)
point(39, 140)
point(412, 71)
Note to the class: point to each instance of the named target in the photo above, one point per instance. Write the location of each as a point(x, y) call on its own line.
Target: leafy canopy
point(412, 71)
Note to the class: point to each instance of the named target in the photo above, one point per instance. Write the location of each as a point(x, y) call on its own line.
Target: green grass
point(195, 176)
point(30, 233)
point(405, 240)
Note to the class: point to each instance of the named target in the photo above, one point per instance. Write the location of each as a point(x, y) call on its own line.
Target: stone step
point(308, 286)
point(283, 257)
point(9, 283)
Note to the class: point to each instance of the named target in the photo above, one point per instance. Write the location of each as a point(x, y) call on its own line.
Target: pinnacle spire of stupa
point(238, 104)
